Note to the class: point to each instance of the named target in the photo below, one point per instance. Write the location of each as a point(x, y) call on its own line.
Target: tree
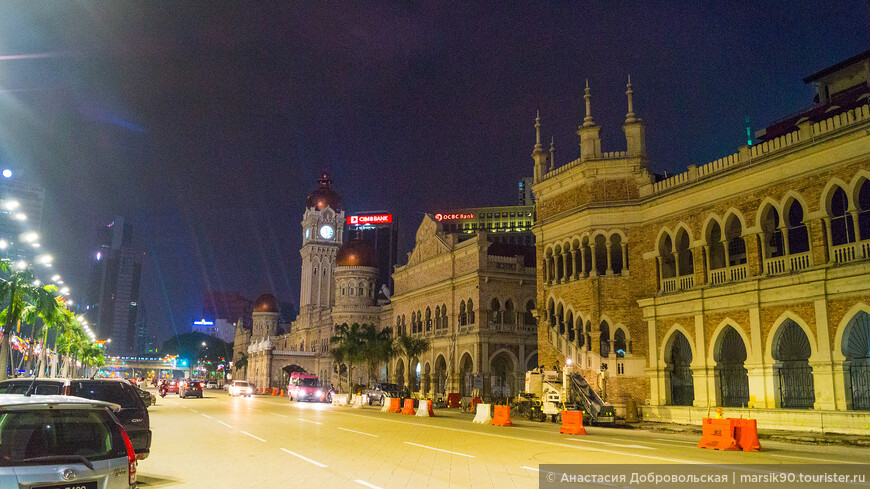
point(17, 291)
point(347, 348)
point(45, 311)
point(410, 347)
point(92, 356)
point(377, 347)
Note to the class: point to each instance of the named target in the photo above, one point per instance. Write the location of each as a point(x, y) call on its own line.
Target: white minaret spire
point(587, 121)
point(552, 153)
point(630, 118)
point(538, 146)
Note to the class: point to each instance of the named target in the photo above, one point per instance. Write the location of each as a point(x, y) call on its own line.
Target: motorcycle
point(163, 391)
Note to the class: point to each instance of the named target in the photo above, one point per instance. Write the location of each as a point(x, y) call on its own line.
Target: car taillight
point(131, 458)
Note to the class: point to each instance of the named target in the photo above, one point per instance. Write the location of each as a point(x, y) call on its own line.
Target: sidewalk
point(776, 435)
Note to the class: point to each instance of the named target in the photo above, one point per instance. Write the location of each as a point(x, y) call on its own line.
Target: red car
point(171, 386)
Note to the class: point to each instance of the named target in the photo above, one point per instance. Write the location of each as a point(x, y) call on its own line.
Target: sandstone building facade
point(740, 283)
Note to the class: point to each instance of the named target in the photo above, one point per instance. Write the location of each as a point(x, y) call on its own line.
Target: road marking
point(530, 468)
point(282, 415)
point(611, 444)
point(254, 436)
point(675, 441)
point(360, 432)
point(207, 416)
point(440, 450)
point(221, 422)
point(308, 421)
point(194, 410)
point(372, 486)
point(304, 458)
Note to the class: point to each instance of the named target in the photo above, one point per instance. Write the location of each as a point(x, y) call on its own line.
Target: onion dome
point(266, 303)
point(324, 196)
point(356, 253)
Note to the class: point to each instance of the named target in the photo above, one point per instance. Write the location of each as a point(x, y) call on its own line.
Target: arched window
point(495, 312)
point(361, 290)
point(551, 314)
point(569, 325)
point(509, 313)
point(604, 343)
point(856, 349)
point(685, 262)
point(793, 373)
point(733, 379)
point(798, 238)
point(404, 326)
point(470, 311)
point(413, 322)
point(773, 246)
point(428, 319)
point(715, 248)
point(616, 253)
point(678, 364)
point(842, 226)
point(560, 317)
point(619, 343)
point(352, 288)
point(443, 315)
point(864, 210)
point(342, 290)
point(600, 254)
point(588, 335)
point(666, 255)
point(736, 245)
point(463, 320)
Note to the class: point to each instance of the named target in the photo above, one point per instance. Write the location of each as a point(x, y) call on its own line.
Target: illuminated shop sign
point(370, 219)
point(453, 217)
point(203, 322)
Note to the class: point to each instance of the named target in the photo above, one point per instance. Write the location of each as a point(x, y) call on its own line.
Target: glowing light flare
point(21, 216)
point(30, 237)
point(10, 205)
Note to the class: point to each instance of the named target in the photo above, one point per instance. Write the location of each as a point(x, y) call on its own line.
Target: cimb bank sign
point(369, 219)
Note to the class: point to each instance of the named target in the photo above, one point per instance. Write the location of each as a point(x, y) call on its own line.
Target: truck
point(549, 392)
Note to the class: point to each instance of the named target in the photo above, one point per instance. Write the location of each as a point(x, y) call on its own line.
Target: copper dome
point(266, 303)
point(324, 195)
point(356, 253)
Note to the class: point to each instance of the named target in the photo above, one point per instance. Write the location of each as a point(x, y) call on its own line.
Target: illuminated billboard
point(456, 216)
point(369, 219)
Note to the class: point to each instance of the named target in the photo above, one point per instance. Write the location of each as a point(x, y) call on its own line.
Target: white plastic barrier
point(483, 413)
point(358, 401)
point(386, 405)
point(340, 399)
point(424, 410)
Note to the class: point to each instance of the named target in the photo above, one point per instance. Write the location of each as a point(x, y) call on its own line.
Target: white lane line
point(207, 416)
point(194, 410)
point(309, 421)
point(364, 483)
point(440, 450)
point(254, 436)
point(360, 432)
point(530, 468)
point(276, 414)
point(611, 444)
point(304, 458)
point(221, 422)
point(675, 441)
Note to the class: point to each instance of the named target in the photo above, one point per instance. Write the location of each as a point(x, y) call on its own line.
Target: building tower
point(265, 316)
point(322, 234)
point(356, 283)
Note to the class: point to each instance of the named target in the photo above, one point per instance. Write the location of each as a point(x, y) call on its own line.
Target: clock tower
point(322, 233)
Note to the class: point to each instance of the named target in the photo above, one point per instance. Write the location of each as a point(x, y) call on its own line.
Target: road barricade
point(340, 399)
point(358, 401)
point(502, 416)
point(274, 392)
point(395, 405)
point(746, 434)
point(453, 400)
point(483, 414)
point(474, 402)
point(572, 423)
point(409, 407)
point(385, 408)
point(424, 409)
point(718, 434)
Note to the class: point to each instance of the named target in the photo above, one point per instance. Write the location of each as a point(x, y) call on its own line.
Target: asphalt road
point(266, 442)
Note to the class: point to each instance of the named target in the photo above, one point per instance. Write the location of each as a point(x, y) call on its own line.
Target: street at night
point(268, 441)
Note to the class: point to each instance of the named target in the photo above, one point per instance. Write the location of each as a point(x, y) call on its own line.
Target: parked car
point(133, 413)
point(148, 398)
point(48, 440)
point(190, 388)
point(378, 392)
point(211, 384)
point(241, 388)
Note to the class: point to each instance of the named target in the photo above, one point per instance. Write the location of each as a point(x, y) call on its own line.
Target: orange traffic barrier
point(453, 400)
point(274, 392)
point(572, 423)
point(718, 434)
point(502, 416)
point(746, 434)
point(394, 405)
point(409, 407)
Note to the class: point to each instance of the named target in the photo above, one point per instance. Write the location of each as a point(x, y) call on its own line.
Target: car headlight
point(318, 393)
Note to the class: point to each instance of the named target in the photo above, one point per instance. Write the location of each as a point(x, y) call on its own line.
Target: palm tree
point(348, 341)
point(45, 306)
point(92, 356)
point(410, 347)
point(69, 332)
point(17, 290)
point(377, 348)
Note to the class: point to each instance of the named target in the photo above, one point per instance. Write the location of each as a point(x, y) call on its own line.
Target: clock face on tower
point(326, 232)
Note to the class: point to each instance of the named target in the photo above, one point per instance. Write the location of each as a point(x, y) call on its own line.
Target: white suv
point(241, 388)
point(53, 442)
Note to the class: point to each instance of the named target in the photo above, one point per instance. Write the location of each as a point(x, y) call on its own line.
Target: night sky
point(206, 123)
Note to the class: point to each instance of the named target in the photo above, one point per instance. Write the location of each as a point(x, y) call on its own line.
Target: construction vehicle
point(549, 392)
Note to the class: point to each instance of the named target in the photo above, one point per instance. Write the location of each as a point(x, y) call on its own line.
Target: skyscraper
point(113, 294)
point(20, 214)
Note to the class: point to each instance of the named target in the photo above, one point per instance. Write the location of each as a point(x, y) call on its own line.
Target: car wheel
point(382, 401)
point(371, 401)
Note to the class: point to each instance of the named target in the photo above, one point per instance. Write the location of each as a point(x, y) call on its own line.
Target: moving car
point(378, 392)
point(133, 413)
point(305, 387)
point(240, 388)
point(211, 385)
point(51, 441)
point(190, 388)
